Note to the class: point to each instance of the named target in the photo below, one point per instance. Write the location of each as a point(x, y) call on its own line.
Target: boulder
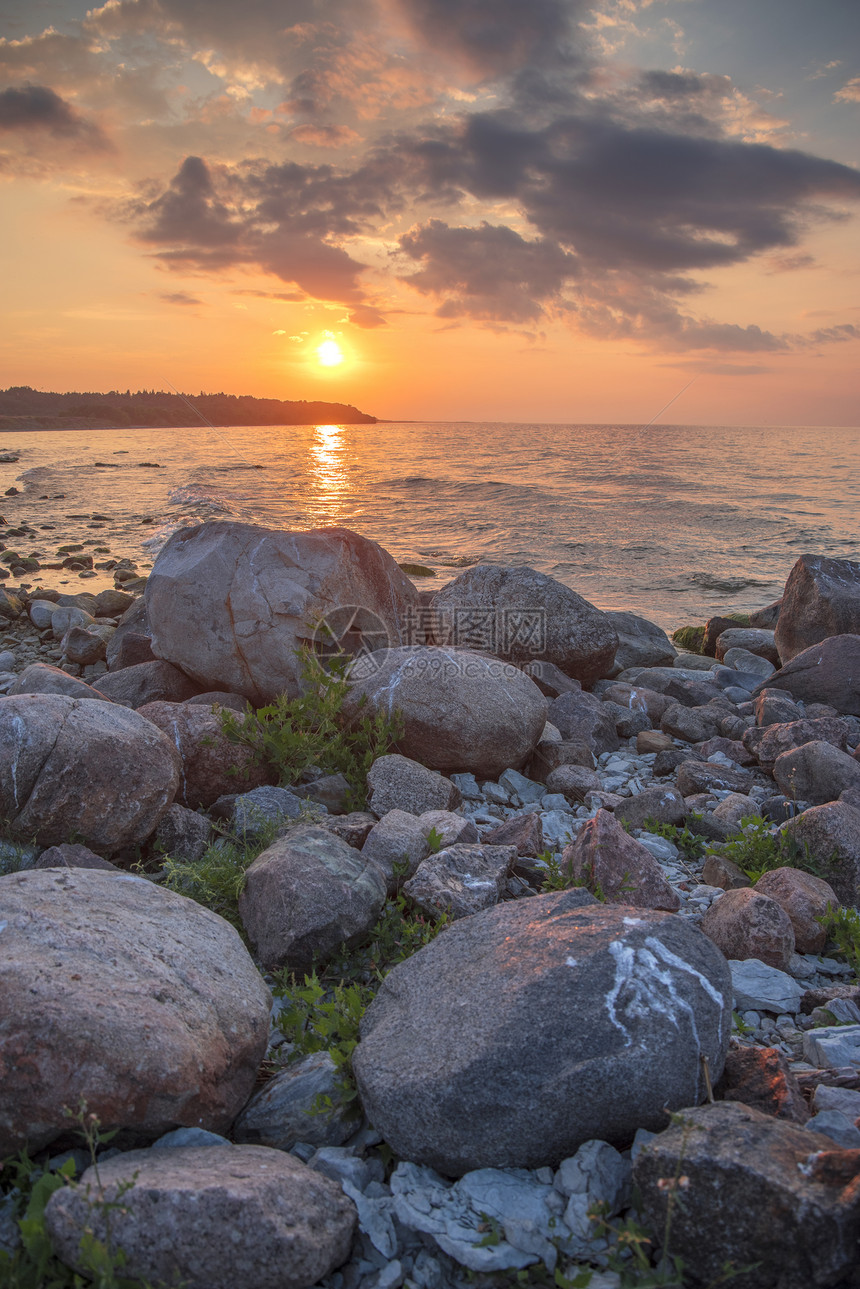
point(306, 895)
point(638, 698)
point(550, 754)
point(135, 999)
point(584, 719)
point(746, 924)
point(333, 791)
point(805, 899)
point(525, 832)
point(70, 855)
point(816, 772)
point(832, 835)
point(758, 1186)
point(39, 678)
point(286, 1109)
point(397, 845)
point(640, 643)
point(593, 1016)
point(231, 603)
point(209, 1217)
point(772, 707)
point(77, 767)
point(395, 782)
point(460, 710)
point(219, 698)
point(113, 603)
point(768, 742)
point(653, 741)
point(605, 857)
point(714, 628)
point(753, 640)
point(85, 647)
point(183, 834)
point(692, 724)
point(665, 805)
point(732, 748)
point(212, 763)
point(461, 880)
point(720, 871)
point(257, 815)
point(574, 782)
point(825, 673)
point(146, 682)
point(550, 680)
point(133, 627)
point(768, 616)
point(821, 599)
point(690, 688)
point(761, 1077)
point(523, 615)
point(450, 828)
point(353, 828)
point(749, 664)
point(706, 776)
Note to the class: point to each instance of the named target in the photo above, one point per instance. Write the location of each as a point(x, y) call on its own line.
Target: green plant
point(843, 928)
point(757, 849)
point(435, 841)
point(28, 1186)
point(217, 878)
point(317, 728)
point(690, 638)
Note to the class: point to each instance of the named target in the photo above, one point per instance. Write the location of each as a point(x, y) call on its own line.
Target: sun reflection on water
point(328, 469)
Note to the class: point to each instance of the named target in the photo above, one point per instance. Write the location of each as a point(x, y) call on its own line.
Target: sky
point(480, 210)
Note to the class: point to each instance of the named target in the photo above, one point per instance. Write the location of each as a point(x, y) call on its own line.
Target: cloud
point(37, 108)
point(494, 37)
point(489, 272)
point(325, 136)
point(850, 92)
point(179, 297)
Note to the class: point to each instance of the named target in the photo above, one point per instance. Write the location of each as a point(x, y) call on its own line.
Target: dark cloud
point(39, 108)
point(495, 36)
point(277, 218)
point(488, 272)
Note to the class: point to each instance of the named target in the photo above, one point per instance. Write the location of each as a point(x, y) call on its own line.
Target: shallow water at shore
point(673, 522)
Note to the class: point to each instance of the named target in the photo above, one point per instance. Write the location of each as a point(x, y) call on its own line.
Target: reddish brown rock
point(605, 856)
point(550, 754)
point(805, 899)
point(82, 768)
point(816, 772)
point(732, 748)
point(832, 834)
point(745, 924)
point(768, 743)
point(135, 999)
point(639, 699)
point(758, 1196)
point(826, 673)
point(653, 741)
point(582, 718)
point(211, 763)
point(722, 872)
point(522, 831)
point(760, 1077)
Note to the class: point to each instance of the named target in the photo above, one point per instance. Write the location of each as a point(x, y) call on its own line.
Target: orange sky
point(547, 212)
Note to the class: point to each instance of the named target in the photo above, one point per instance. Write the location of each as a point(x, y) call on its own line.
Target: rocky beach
point(536, 956)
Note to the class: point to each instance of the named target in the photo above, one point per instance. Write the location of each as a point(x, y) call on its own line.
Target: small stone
point(837, 1126)
point(757, 986)
point(832, 1047)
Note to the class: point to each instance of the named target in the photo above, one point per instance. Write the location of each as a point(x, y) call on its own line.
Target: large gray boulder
point(832, 835)
point(83, 768)
point(816, 772)
point(461, 710)
point(821, 599)
point(523, 616)
point(395, 782)
point(763, 1194)
point(640, 643)
point(135, 999)
point(825, 673)
point(306, 895)
point(209, 1217)
point(592, 1017)
point(232, 604)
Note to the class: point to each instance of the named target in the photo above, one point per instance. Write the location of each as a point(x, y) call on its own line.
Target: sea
point(673, 522)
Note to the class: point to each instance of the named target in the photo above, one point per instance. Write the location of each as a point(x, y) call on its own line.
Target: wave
point(722, 582)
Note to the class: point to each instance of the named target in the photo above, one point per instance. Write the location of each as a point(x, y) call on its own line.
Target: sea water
point(673, 522)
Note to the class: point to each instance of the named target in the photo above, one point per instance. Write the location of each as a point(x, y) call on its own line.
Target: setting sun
point(329, 353)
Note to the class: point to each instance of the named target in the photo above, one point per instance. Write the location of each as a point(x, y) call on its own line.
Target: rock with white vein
point(595, 1017)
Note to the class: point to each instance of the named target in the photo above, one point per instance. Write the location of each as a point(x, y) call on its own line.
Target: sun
point(329, 353)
